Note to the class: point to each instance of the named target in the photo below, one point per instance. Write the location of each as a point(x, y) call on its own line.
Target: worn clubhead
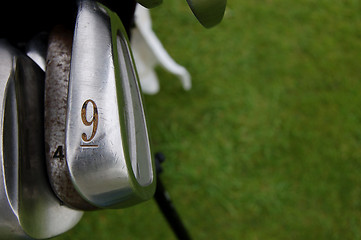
point(56, 95)
point(150, 3)
point(28, 207)
point(106, 146)
point(208, 12)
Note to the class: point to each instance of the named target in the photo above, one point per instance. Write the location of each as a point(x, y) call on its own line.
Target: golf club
point(56, 94)
point(208, 12)
point(74, 136)
point(106, 141)
point(28, 206)
point(9, 223)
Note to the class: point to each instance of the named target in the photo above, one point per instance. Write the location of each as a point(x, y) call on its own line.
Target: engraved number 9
point(93, 121)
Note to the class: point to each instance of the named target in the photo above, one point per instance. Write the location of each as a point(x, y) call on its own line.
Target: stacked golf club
point(96, 150)
point(74, 134)
point(28, 206)
point(106, 142)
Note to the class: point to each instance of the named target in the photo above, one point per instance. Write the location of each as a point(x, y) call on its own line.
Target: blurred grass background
point(266, 145)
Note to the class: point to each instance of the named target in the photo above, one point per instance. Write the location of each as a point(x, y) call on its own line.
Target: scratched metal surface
point(56, 95)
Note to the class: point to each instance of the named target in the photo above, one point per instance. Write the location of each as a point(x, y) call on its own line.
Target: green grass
point(267, 144)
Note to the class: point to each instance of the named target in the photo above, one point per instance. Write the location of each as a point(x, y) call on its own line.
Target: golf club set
point(73, 130)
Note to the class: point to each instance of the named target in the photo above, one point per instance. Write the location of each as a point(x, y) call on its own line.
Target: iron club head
point(106, 146)
point(56, 95)
point(208, 12)
point(10, 226)
point(28, 206)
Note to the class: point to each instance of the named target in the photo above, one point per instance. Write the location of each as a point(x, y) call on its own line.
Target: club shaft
point(166, 206)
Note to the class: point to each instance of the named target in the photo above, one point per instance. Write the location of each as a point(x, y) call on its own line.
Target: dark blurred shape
point(22, 20)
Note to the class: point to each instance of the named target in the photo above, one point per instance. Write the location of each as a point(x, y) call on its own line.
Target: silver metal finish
point(208, 12)
point(107, 146)
point(28, 207)
point(9, 223)
point(36, 49)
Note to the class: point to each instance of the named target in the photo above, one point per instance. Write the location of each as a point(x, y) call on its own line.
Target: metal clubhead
point(9, 220)
point(56, 96)
point(208, 12)
point(36, 49)
point(28, 206)
point(106, 146)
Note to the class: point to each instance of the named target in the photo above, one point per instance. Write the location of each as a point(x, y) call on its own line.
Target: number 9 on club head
point(107, 145)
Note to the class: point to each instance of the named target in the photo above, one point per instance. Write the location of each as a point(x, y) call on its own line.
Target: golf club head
point(150, 3)
point(28, 207)
point(9, 221)
point(56, 95)
point(106, 140)
point(208, 12)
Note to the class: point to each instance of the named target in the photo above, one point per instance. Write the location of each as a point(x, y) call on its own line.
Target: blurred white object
point(148, 52)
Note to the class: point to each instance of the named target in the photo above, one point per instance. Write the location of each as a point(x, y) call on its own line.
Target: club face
point(208, 12)
point(107, 144)
point(28, 205)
